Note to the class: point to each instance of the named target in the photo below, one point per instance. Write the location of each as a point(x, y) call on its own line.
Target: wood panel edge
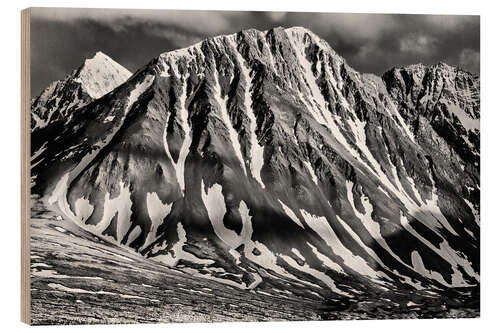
point(25, 166)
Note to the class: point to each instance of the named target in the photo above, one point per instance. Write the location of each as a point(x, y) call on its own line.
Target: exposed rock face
point(445, 101)
point(263, 155)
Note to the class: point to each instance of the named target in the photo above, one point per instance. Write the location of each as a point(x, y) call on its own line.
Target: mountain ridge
point(205, 145)
point(94, 78)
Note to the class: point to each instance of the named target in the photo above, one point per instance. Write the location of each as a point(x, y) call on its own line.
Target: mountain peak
point(94, 78)
point(97, 58)
point(300, 29)
point(101, 74)
point(100, 54)
point(420, 68)
point(295, 38)
point(301, 32)
point(445, 66)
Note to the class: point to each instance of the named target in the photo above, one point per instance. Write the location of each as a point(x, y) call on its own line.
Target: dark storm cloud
point(62, 38)
point(374, 43)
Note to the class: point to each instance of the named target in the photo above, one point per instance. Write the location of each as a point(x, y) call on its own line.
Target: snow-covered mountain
point(93, 79)
point(263, 157)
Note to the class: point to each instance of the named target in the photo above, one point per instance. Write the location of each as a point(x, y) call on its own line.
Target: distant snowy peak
point(101, 74)
point(94, 78)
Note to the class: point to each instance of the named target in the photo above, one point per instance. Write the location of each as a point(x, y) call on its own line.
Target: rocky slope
point(263, 157)
point(444, 100)
point(78, 278)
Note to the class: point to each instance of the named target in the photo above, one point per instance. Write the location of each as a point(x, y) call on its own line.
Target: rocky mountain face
point(263, 158)
point(445, 99)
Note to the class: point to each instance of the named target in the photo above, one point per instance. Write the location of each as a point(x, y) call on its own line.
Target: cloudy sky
point(62, 38)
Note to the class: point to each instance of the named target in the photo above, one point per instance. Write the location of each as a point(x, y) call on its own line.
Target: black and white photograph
point(239, 166)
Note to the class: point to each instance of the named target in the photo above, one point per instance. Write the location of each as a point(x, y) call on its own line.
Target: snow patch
point(38, 153)
point(214, 202)
point(316, 274)
point(298, 254)
point(321, 226)
point(101, 74)
point(138, 90)
point(63, 288)
point(256, 150)
point(447, 254)
point(246, 220)
point(62, 230)
point(134, 234)
point(52, 274)
point(470, 124)
point(474, 211)
point(326, 261)
point(121, 205)
point(309, 168)
point(83, 209)
point(177, 252)
point(418, 264)
point(233, 135)
point(291, 214)
point(157, 212)
point(186, 143)
point(372, 226)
